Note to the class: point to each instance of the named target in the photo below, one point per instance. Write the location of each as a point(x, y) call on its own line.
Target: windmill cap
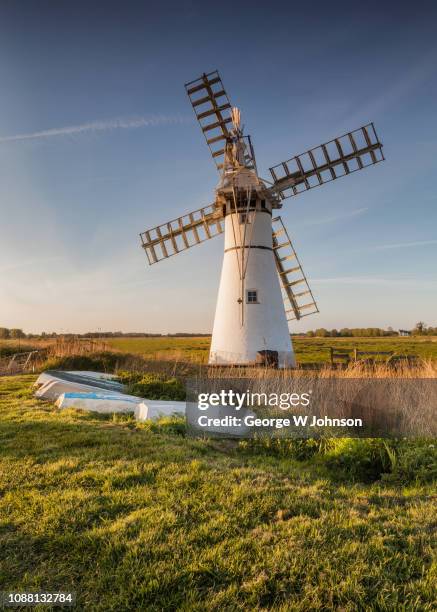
point(242, 178)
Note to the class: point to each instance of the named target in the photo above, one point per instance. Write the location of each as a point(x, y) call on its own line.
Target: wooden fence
point(19, 363)
point(342, 357)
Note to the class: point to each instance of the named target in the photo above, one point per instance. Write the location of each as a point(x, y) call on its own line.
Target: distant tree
point(322, 332)
point(4, 333)
point(16, 333)
point(310, 334)
point(420, 327)
point(373, 331)
point(345, 332)
point(333, 333)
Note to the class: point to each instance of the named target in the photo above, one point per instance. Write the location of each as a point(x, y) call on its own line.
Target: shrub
point(173, 425)
point(155, 387)
point(100, 362)
point(416, 461)
point(365, 460)
point(10, 349)
point(129, 378)
point(353, 459)
point(300, 449)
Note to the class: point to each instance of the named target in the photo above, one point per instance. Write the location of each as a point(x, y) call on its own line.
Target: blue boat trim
point(99, 396)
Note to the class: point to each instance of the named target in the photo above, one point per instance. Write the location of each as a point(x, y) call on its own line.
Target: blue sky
point(98, 142)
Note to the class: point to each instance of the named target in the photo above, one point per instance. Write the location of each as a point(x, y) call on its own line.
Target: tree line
point(14, 333)
point(6, 334)
point(420, 329)
point(353, 332)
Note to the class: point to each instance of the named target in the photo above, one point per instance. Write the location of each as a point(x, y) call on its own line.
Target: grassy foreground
point(140, 518)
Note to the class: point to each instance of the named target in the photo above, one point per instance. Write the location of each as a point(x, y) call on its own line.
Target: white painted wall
point(264, 325)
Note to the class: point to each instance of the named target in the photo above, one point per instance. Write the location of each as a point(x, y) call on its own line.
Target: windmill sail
point(214, 113)
point(327, 162)
point(298, 298)
point(182, 233)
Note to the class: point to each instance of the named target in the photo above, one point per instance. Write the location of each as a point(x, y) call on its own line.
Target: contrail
point(333, 219)
point(403, 245)
point(98, 126)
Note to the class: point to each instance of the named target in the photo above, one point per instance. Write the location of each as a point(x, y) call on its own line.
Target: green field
point(165, 347)
point(308, 350)
point(134, 517)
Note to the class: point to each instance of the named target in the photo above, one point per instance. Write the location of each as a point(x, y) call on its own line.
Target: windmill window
point(244, 218)
point(263, 204)
point(252, 296)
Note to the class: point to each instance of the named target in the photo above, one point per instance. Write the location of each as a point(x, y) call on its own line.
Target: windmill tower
point(262, 285)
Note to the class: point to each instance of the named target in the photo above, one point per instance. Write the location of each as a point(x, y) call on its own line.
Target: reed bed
point(421, 368)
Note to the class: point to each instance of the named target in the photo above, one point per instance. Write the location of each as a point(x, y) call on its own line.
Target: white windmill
point(262, 284)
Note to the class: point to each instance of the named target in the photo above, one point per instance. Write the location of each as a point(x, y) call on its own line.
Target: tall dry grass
point(421, 368)
point(398, 400)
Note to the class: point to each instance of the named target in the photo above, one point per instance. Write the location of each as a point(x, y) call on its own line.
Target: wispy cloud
point(403, 245)
point(396, 90)
point(98, 126)
point(371, 280)
point(333, 219)
point(30, 263)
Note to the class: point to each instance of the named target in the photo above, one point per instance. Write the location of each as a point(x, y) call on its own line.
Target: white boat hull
point(102, 403)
